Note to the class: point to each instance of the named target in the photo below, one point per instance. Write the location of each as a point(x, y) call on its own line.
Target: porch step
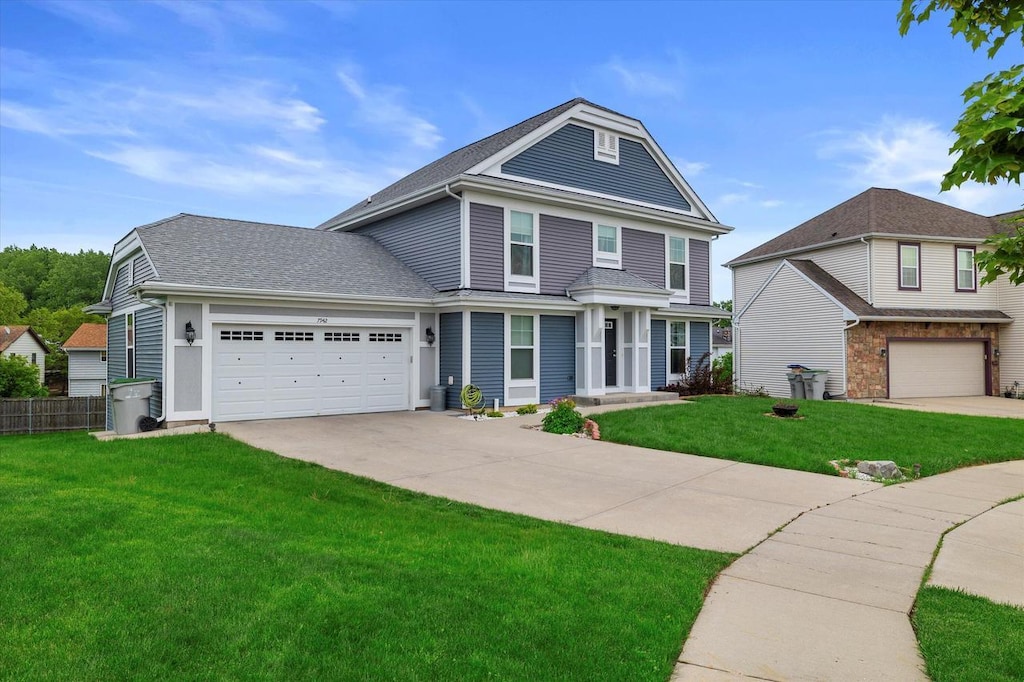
point(625, 398)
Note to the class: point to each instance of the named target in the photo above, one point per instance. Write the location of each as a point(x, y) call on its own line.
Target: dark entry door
point(611, 368)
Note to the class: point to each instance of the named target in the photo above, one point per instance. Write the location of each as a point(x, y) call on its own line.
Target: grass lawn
point(734, 427)
point(965, 638)
point(200, 557)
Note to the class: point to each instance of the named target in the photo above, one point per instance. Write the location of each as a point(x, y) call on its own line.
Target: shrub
point(705, 378)
point(563, 417)
point(495, 414)
point(527, 409)
point(19, 378)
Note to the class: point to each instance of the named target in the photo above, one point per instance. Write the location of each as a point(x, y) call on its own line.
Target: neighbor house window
point(521, 244)
point(129, 344)
point(910, 266)
point(521, 364)
point(606, 146)
point(103, 357)
point(966, 274)
point(35, 361)
point(677, 348)
point(677, 263)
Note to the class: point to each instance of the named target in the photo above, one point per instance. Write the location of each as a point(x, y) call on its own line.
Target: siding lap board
point(658, 354)
point(487, 359)
point(700, 272)
point(643, 254)
point(119, 297)
point(115, 358)
point(557, 356)
point(450, 349)
point(149, 330)
point(566, 251)
point(699, 342)
point(566, 157)
point(427, 239)
point(486, 247)
point(142, 270)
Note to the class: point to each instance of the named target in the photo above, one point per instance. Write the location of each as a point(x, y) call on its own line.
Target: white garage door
point(268, 372)
point(935, 369)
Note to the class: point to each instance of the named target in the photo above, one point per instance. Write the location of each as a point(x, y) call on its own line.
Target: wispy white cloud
point(57, 123)
point(216, 19)
point(380, 108)
point(95, 14)
point(771, 203)
point(647, 78)
point(732, 198)
point(690, 168)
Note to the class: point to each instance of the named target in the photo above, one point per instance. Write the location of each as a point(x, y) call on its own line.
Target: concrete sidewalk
point(682, 499)
point(828, 597)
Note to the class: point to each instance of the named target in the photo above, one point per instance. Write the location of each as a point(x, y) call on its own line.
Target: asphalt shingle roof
point(216, 252)
point(452, 165)
point(88, 335)
point(608, 277)
point(9, 333)
point(878, 211)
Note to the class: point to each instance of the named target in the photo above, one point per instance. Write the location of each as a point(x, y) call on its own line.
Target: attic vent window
point(606, 146)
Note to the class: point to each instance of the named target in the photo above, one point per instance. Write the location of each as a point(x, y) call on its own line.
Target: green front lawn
point(736, 428)
point(199, 557)
point(965, 638)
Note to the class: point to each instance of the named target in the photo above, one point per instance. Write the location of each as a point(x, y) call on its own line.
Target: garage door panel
point(934, 369)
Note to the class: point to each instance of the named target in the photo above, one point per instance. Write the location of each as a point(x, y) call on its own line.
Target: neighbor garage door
point(934, 369)
point(267, 372)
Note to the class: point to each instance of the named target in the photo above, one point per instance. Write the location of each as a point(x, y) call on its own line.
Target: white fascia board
point(124, 249)
point(166, 289)
point(849, 240)
point(668, 312)
point(605, 296)
point(482, 302)
point(504, 188)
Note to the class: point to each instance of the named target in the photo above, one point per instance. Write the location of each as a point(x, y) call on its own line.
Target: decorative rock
point(880, 469)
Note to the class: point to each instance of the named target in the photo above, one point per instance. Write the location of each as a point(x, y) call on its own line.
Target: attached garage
point(267, 372)
point(935, 369)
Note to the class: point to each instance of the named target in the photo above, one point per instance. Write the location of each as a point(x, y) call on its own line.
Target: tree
point(990, 133)
point(724, 322)
point(12, 304)
point(19, 379)
point(48, 278)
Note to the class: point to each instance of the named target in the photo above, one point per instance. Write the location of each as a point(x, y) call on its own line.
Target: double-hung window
point(677, 348)
point(522, 250)
point(129, 344)
point(966, 274)
point(522, 347)
point(609, 246)
point(677, 263)
point(910, 266)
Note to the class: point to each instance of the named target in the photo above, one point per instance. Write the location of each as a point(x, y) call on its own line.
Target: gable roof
point(9, 333)
point(877, 212)
point(89, 336)
point(450, 166)
point(200, 251)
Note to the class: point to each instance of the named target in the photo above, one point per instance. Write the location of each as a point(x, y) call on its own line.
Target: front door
point(611, 342)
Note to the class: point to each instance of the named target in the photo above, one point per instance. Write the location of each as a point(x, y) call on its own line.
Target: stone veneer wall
point(866, 370)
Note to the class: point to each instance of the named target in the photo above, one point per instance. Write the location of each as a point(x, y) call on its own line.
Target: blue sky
point(115, 114)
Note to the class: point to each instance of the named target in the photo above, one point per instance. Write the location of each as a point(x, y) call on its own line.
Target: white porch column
point(642, 355)
point(590, 367)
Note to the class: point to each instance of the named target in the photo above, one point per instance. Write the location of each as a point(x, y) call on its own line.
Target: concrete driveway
point(682, 499)
point(975, 406)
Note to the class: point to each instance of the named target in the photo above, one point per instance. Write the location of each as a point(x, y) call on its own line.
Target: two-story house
point(87, 360)
point(565, 255)
point(882, 291)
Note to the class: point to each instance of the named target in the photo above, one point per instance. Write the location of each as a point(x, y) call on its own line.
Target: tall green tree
point(724, 305)
point(989, 147)
point(48, 278)
point(12, 304)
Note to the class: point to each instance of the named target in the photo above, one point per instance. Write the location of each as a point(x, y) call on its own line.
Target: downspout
point(871, 300)
point(163, 356)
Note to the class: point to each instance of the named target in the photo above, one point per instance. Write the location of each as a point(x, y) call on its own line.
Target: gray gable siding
point(658, 354)
point(487, 356)
point(119, 297)
point(700, 272)
point(115, 359)
point(566, 157)
point(450, 349)
point(566, 250)
point(643, 254)
point(427, 239)
point(699, 342)
point(557, 356)
point(149, 353)
point(142, 270)
point(486, 247)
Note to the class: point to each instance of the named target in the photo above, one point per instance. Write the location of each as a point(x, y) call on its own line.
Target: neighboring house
point(721, 341)
point(883, 292)
point(87, 360)
point(564, 255)
point(20, 339)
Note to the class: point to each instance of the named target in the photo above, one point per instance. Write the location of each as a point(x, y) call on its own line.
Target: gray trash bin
point(796, 385)
point(437, 398)
point(814, 383)
point(131, 403)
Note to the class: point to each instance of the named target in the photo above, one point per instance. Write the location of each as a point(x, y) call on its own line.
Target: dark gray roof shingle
point(452, 165)
point(878, 211)
point(216, 252)
point(608, 277)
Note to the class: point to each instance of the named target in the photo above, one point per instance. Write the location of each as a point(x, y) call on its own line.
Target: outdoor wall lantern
point(883, 352)
point(431, 337)
point(996, 352)
point(190, 333)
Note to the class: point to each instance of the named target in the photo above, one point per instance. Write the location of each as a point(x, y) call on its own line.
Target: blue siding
point(427, 239)
point(659, 354)
point(700, 272)
point(487, 355)
point(566, 251)
point(450, 348)
point(557, 356)
point(699, 341)
point(486, 247)
point(149, 353)
point(119, 297)
point(115, 359)
point(643, 254)
point(142, 270)
point(566, 157)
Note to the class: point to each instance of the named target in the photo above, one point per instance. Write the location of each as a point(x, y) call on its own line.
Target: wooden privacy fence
point(45, 415)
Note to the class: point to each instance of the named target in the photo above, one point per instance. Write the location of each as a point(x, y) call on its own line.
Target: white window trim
point(535, 380)
point(130, 361)
point(669, 376)
point(917, 267)
point(973, 270)
point(519, 283)
point(686, 266)
point(607, 259)
point(610, 152)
